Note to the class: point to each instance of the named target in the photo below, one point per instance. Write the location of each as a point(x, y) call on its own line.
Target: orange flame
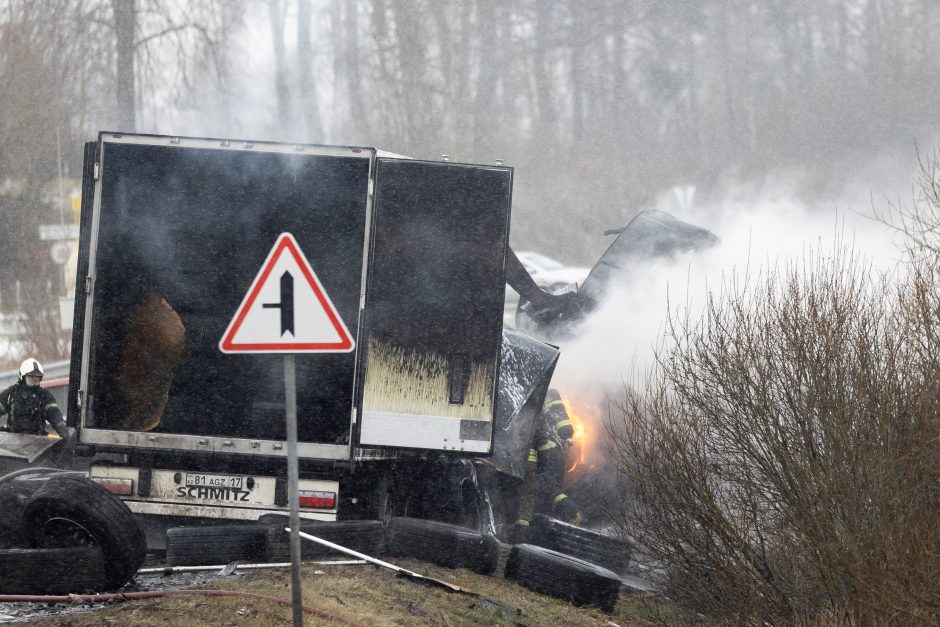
point(583, 434)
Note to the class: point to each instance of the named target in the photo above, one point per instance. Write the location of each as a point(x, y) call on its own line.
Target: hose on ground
point(152, 594)
point(26, 471)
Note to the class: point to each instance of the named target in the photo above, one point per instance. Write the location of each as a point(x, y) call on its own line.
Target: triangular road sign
point(286, 309)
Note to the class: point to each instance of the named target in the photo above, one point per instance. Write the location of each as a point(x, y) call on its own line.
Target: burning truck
point(202, 260)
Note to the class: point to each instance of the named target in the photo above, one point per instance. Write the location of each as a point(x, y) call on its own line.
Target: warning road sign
point(286, 309)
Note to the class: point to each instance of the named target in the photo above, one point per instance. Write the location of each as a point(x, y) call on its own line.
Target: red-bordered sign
point(286, 309)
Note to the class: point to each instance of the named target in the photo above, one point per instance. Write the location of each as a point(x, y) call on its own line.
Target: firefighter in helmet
point(545, 471)
point(554, 438)
point(29, 406)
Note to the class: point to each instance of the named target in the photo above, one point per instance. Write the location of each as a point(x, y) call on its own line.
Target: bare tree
point(309, 104)
point(125, 30)
point(782, 465)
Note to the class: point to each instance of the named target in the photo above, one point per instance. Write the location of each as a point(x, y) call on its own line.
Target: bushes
point(784, 461)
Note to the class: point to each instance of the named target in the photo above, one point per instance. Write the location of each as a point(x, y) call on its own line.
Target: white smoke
point(760, 226)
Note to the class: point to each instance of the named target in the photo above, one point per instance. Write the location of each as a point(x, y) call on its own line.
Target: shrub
point(783, 461)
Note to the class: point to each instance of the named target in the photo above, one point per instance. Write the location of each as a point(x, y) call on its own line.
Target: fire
point(583, 434)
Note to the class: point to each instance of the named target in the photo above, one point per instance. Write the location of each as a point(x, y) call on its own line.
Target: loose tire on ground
point(70, 510)
point(443, 544)
point(589, 545)
point(220, 544)
point(79, 570)
point(364, 536)
point(563, 576)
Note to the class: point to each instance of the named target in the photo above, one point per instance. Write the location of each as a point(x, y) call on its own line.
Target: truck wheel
point(587, 544)
point(443, 544)
point(69, 511)
point(220, 544)
point(563, 576)
point(364, 536)
point(79, 570)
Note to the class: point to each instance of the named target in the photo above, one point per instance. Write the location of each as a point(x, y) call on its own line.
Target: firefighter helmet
point(30, 367)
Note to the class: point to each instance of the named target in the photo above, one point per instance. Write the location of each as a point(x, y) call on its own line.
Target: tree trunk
point(125, 24)
point(309, 105)
point(357, 108)
point(276, 11)
point(484, 110)
point(541, 63)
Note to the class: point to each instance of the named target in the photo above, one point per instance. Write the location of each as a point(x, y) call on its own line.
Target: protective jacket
point(30, 407)
point(542, 489)
point(555, 431)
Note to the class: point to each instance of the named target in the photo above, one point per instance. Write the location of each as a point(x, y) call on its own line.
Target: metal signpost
point(286, 310)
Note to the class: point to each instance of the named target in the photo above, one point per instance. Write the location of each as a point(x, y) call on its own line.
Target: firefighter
point(29, 406)
point(552, 440)
point(542, 490)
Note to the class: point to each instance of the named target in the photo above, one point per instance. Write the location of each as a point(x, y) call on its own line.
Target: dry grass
point(368, 595)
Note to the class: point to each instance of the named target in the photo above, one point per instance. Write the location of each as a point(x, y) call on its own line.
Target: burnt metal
point(526, 368)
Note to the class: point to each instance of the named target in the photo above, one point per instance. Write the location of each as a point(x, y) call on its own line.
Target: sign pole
point(290, 402)
point(306, 322)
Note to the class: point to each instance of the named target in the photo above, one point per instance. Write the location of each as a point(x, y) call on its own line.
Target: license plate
point(213, 481)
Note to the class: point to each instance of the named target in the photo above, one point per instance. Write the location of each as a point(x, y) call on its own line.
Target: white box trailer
point(199, 256)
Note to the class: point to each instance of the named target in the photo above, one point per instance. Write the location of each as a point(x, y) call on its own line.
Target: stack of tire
point(541, 569)
point(570, 562)
point(592, 546)
point(567, 567)
point(267, 541)
point(563, 576)
point(79, 538)
point(363, 536)
point(444, 544)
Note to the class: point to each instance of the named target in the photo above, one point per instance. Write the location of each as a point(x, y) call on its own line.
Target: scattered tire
point(592, 546)
point(563, 576)
point(364, 536)
point(79, 570)
point(220, 544)
point(443, 544)
point(68, 511)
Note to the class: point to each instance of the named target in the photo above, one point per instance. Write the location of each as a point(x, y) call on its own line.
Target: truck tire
point(215, 545)
point(563, 576)
point(79, 570)
point(443, 544)
point(589, 545)
point(364, 536)
point(69, 511)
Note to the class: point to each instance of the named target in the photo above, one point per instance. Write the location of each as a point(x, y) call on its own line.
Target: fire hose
point(26, 471)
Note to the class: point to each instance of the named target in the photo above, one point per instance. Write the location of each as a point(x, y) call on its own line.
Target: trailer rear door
point(180, 230)
point(434, 305)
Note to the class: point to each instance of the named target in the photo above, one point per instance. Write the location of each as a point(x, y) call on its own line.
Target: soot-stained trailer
point(180, 229)
point(433, 305)
point(177, 232)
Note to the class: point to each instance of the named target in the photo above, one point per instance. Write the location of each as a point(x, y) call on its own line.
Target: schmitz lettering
point(211, 493)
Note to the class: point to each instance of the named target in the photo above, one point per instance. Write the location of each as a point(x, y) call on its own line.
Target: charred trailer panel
point(433, 306)
point(179, 232)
